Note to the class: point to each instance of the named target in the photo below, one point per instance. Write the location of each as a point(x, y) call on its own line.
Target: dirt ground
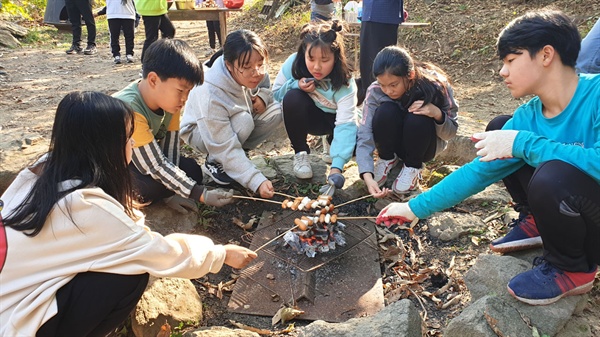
point(460, 40)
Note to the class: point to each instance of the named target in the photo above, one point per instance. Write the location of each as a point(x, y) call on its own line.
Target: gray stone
point(170, 300)
point(576, 327)
point(399, 319)
point(448, 226)
point(220, 331)
point(263, 165)
point(490, 275)
point(461, 149)
point(162, 219)
point(8, 40)
point(486, 315)
point(493, 195)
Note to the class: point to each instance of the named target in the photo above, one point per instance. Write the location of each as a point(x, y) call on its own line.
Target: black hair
point(534, 30)
point(427, 84)
point(324, 35)
point(238, 48)
point(87, 145)
point(172, 58)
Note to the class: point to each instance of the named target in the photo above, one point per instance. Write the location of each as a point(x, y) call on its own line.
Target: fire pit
point(335, 283)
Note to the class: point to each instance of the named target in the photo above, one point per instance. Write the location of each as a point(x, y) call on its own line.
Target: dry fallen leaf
point(285, 314)
point(241, 224)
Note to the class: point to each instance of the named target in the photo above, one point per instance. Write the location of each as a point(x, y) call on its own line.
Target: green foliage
point(24, 10)
point(205, 215)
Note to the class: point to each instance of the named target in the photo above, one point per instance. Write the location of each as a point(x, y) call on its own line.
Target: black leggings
point(411, 137)
point(565, 203)
point(302, 117)
point(93, 304)
point(149, 190)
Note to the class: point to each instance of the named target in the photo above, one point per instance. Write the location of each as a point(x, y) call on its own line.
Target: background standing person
point(78, 9)
point(214, 31)
point(121, 15)
point(321, 10)
point(379, 29)
point(154, 14)
point(589, 57)
point(75, 254)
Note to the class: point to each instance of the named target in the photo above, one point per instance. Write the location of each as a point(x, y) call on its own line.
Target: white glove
point(394, 213)
point(217, 197)
point(181, 204)
point(496, 144)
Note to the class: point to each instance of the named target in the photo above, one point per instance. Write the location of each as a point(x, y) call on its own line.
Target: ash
point(318, 238)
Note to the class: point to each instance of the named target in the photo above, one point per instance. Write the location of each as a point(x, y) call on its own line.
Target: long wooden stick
point(257, 199)
point(273, 239)
point(285, 195)
point(356, 217)
point(353, 200)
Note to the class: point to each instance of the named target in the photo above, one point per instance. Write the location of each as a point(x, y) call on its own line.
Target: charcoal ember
point(318, 238)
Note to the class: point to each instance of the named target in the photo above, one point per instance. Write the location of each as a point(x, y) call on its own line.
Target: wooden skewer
point(273, 239)
point(257, 199)
point(353, 200)
point(285, 195)
point(355, 217)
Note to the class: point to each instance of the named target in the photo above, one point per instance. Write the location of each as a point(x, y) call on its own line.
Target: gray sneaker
point(117, 59)
point(90, 49)
point(75, 49)
point(129, 58)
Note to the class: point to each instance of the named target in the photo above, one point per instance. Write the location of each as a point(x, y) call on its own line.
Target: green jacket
point(151, 7)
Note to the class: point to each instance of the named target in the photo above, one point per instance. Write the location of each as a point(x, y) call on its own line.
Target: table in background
point(206, 14)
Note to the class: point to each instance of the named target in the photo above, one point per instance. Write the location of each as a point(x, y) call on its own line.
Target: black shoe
point(75, 49)
point(90, 50)
point(216, 173)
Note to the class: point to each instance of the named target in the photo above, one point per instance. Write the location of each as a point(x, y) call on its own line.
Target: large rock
point(460, 149)
point(399, 319)
point(448, 226)
point(489, 277)
point(170, 300)
point(486, 315)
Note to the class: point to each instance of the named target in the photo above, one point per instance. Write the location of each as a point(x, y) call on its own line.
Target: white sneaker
point(326, 156)
point(117, 59)
point(383, 168)
point(129, 58)
point(407, 180)
point(302, 168)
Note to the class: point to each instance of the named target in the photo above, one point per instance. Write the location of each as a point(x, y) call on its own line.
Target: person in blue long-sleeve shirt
point(547, 154)
point(379, 29)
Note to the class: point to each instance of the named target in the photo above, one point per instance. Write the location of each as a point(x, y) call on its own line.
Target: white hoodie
point(213, 108)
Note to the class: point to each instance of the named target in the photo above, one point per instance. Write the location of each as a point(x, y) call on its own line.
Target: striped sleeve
point(150, 160)
point(170, 147)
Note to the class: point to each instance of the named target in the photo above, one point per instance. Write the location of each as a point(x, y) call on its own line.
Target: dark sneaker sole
point(515, 246)
point(208, 173)
point(582, 289)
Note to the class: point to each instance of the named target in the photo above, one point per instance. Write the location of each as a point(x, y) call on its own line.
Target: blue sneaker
point(523, 235)
point(215, 172)
point(545, 284)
